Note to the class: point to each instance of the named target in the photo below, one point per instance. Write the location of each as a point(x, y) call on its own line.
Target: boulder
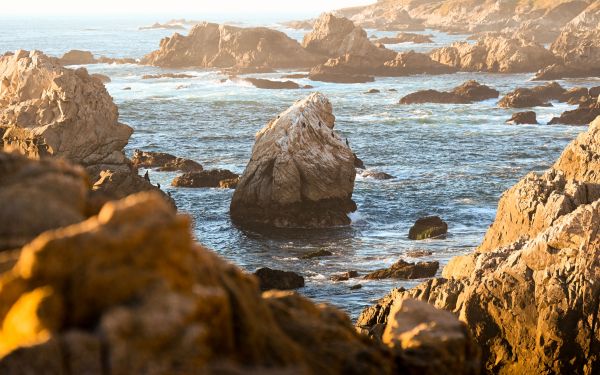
point(527, 117)
point(582, 115)
point(273, 85)
point(377, 175)
point(405, 270)
point(496, 54)
point(532, 97)
point(77, 57)
point(301, 173)
point(229, 183)
point(277, 279)
point(209, 45)
point(574, 94)
point(428, 227)
point(163, 162)
point(468, 92)
point(203, 179)
point(37, 196)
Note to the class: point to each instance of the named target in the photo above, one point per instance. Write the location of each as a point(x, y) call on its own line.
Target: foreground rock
point(37, 196)
point(496, 54)
point(527, 117)
point(405, 270)
point(47, 110)
point(163, 162)
point(301, 174)
point(209, 45)
point(276, 279)
point(204, 179)
point(531, 290)
point(468, 92)
point(532, 97)
point(428, 227)
point(169, 305)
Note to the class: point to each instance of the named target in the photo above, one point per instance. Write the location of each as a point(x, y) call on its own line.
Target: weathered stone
point(203, 179)
point(468, 92)
point(527, 117)
point(428, 227)
point(405, 270)
point(276, 279)
point(532, 97)
point(163, 162)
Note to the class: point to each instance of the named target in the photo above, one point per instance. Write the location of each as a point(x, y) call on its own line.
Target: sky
point(185, 8)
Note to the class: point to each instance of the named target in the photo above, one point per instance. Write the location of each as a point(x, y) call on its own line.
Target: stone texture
point(405, 270)
point(428, 227)
point(300, 174)
point(532, 97)
point(163, 162)
point(527, 117)
point(204, 179)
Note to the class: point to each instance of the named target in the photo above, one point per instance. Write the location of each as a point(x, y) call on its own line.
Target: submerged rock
point(405, 270)
point(204, 179)
point(273, 85)
point(468, 92)
point(276, 279)
point(428, 227)
point(527, 117)
point(301, 173)
point(163, 162)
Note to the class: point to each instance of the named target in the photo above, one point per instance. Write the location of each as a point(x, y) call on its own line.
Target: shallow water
point(450, 160)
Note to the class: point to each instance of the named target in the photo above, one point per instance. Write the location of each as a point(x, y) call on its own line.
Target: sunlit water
point(449, 160)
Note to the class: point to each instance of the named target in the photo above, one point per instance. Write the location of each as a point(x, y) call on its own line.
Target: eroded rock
point(204, 179)
point(163, 162)
point(428, 227)
point(405, 270)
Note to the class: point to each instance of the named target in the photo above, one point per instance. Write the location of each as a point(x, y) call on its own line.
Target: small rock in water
point(126, 88)
point(277, 279)
point(377, 175)
point(405, 270)
point(428, 227)
point(527, 117)
point(317, 254)
point(344, 276)
point(373, 91)
point(358, 163)
point(356, 287)
point(208, 178)
point(418, 253)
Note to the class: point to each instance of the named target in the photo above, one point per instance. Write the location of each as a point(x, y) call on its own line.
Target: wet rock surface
point(428, 227)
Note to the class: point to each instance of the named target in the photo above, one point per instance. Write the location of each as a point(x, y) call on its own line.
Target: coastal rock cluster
point(530, 293)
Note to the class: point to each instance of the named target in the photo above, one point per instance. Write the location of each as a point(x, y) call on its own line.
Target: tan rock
point(301, 173)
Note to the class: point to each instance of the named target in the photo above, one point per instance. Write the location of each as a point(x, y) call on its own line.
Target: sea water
point(450, 160)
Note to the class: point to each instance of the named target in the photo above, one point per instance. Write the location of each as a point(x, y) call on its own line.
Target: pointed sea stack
point(301, 173)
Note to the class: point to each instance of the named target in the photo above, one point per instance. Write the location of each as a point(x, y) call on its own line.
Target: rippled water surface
point(450, 160)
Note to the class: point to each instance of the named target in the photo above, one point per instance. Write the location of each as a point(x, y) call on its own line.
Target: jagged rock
point(163, 162)
point(431, 340)
point(495, 54)
point(301, 174)
point(594, 91)
point(391, 17)
point(358, 163)
point(37, 196)
point(377, 175)
point(273, 85)
point(411, 63)
point(356, 287)
point(468, 92)
point(209, 45)
point(101, 77)
point(428, 227)
point(405, 270)
point(229, 183)
point(406, 37)
point(203, 179)
point(583, 115)
point(77, 57)
point(276, 279)
point(532, 97)
point(560, 71)
point(527, 117)
point(167, 75)
point(317, 254)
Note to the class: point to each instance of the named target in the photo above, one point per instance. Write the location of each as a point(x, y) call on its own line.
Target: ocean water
point(449, 160)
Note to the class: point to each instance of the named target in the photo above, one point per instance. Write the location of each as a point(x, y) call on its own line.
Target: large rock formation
point(47, 110)
point(301, 173)
point(531, 291)
point(209, 45)
point(497, 54)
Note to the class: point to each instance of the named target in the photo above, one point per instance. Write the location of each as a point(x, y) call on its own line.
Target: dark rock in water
point(373, 91)
point(532, 97)
point(208, 178)
point(583, 115)
point(527, 117)
point(574, 94)
point(317, 254)
point(126, 88)
point(393, 90)
point(377, 175)
point(326, 75)
point(345, 276)
point(230, 183)
point(306, 184)
point(167, 75)
point(468, 92)
point(418, 253)
point(277, 279)
point(272, 85)
point(356, 287)
point(428, 227)
point(405, 270)
point(163, 161)
point(358, 163)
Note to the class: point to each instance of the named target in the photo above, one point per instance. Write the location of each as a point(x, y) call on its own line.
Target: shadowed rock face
point(532, 97)
point(530, 294)
point(210, 45)
point(301, 173)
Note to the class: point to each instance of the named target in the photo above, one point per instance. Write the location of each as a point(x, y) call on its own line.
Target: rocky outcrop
point(51, 111)
point(405, 270)
point(204, 179)
point(376, 175)
point(527, 117)
point(77, 57)
point(209, 45)
point(468, 92)
point(37, 196)
point(532, 97)
point(496, 54)
point(587, 111)
point(301, 173)
point(428, 227)
point(406, 38)
point(163, 162)
point(276, 279)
